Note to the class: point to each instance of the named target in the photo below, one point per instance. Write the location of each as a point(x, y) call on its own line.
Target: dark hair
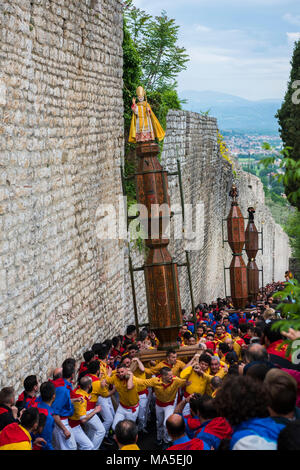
point(205, 407)
point(272, 335)
point(68, 369)
point(175, 429)
point(96, 347)
point(205, 358)
point(233, 370)
point(30, 382)
point(93, 367)
point(133, 347)
point(216, 381)
point(29, 417)
point(231, 357)
point(289, 436)
point(258, 370)
point(69, 360)
point(165, 370)
point(126, 432)
point(47, 390)
point(130, 329)
point(115, 341)
point(224, 348)
point(88, 356)
point(6, 394)
point(241, 398)
point(170, 351)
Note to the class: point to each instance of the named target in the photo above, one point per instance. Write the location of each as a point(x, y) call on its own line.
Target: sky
point(240, 47)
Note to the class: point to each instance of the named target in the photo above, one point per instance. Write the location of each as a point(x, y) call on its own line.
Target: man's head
point(214, 365)
point(282, 392)
point(131, 332)
point(229, 341)
point(166, 375)
point(171, 357)
point(192, 341)
point(94, 368)
point(256, 352)
point(226, 321)
point(31, 384)
point(30, 419)
point(133, 351)
point(47, 391)
point(68, 369)
point(122, 372)
point(126, 433)
point(204, 361)
point(216, 383)
point(7, 396)
point(85, 383)
point(202, 406)
point(270, 335)
point(175, 426)
point(219, 330)
point(57, 373)
point(126, 362)
point(88, 356)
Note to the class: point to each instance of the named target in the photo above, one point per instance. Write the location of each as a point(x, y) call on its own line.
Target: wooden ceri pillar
point(236, 240)
point(161, 275)
point(251, 246)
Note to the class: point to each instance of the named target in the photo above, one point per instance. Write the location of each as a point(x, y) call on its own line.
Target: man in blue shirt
point(44, 405)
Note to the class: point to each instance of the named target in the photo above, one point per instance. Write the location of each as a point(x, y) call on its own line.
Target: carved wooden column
point(236, 240)
point(161, 276)
point(251, 246)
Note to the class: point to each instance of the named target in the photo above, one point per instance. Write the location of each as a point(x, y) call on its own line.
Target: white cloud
point(202, 29)
point(293, 19)
point(292, 37)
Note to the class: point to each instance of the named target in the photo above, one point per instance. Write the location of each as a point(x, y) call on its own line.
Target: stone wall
point(207, 178)
point(61, 145)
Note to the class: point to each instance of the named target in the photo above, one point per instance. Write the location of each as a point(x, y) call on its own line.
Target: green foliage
point(156, 42)
point(292, 228)
point(289, 120)
point(290, 311)
point(132, 73)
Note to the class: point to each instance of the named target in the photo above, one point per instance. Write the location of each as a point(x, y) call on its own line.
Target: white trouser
point(82, 441)
point(162, 414)
point(59, 440)
point(94, 430)
point(186, 410)
point(142, 416)
point(124, 413)
point(107, 412)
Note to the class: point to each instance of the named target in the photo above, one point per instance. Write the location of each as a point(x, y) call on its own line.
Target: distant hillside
point(233, 112)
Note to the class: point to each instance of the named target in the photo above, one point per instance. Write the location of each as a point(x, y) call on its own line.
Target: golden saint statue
point(144, 124)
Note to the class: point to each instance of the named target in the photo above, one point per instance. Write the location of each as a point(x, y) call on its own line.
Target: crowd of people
point(239, 389)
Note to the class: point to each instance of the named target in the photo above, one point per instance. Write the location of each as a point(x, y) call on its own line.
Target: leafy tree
point(156, 41)
point(292, 228)
point(289, 120)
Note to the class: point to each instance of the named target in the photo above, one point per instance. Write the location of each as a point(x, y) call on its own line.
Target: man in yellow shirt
point(215, 370)
point(126, 435)
point(171, 361)
point(197, 375)
point(80, 417)
point(165, 387)
point(128, 395)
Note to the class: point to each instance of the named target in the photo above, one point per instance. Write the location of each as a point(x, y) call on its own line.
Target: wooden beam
point(154, 354)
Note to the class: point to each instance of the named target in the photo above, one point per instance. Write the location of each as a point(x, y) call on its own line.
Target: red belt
point(74, 422)
point(144, 392)
point(90, 405)
point(132, 408)
point(164, 404)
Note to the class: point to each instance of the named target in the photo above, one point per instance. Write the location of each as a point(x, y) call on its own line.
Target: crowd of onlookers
point(237, 388)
